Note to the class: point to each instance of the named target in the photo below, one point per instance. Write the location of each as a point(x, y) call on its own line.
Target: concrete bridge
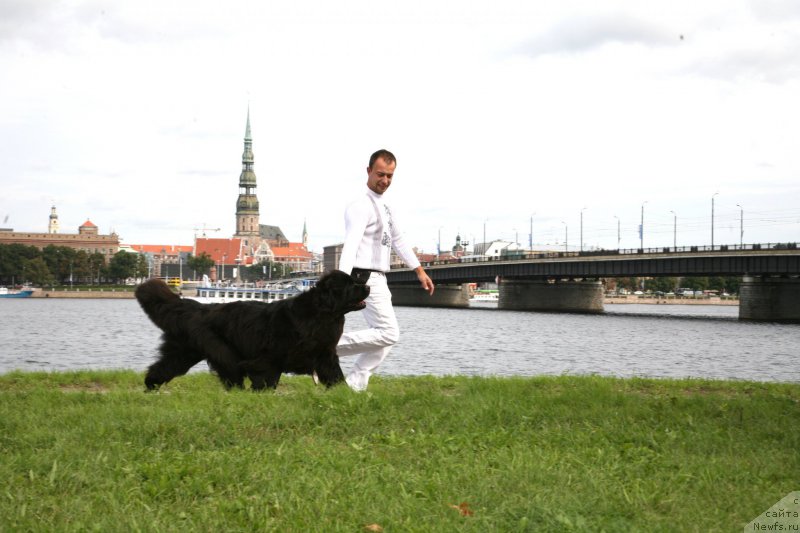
point(570, 281)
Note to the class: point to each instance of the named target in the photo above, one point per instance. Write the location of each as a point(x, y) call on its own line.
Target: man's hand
point(424, 280)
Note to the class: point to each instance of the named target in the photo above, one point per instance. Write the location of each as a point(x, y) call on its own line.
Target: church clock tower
point(247, 223)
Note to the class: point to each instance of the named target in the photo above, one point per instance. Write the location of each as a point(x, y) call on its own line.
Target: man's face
point(379, 176)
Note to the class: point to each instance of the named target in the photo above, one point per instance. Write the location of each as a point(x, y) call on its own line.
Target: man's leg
point(371, 345)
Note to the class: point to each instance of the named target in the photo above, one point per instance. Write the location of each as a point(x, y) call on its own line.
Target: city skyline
point(570, 118)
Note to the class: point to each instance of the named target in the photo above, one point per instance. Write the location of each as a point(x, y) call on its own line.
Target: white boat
point(485, 296)
point(267, 294)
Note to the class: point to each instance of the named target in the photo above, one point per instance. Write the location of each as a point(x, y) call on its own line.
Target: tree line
point(59, 265)
point(729, 284)
point(56, 265)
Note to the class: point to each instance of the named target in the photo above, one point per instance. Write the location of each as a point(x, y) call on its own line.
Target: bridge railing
point(523, 255)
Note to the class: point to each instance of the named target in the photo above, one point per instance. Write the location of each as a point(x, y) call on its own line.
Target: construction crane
point(204, 229)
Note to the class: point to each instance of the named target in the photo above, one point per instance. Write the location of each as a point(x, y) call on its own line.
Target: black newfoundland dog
point(252, 339)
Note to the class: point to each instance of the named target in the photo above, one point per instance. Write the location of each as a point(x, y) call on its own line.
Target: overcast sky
point(132, 114)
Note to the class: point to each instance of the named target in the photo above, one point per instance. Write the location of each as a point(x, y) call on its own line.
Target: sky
point(562, 119)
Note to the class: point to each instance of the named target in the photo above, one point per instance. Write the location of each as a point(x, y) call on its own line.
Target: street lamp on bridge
point(530, 235)
point(674, 229)
point(566, 236)
point(712, 219)
point(615, 216)
point(641, 229)
point(741, 225)
point(582, 210)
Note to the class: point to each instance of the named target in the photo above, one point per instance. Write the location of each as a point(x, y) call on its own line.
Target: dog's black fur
point(252, 339)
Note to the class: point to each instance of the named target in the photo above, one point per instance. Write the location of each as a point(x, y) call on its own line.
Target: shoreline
point(113, 294)
point(669, 301)
point(100, 294)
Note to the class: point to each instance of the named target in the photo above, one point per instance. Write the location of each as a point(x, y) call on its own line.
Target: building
point(227, 254)
point(497, 249)
point(253, 242)
point(160, 255)
point(87, 239)
point(296, 256)
point(247, 214)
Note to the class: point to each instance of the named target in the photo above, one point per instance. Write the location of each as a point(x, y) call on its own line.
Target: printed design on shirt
point(387, 240)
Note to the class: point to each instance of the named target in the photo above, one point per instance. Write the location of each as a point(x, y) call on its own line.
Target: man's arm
point(409, 258)
point(425, 281)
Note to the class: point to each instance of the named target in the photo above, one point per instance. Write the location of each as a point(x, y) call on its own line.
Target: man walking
point(371, 232)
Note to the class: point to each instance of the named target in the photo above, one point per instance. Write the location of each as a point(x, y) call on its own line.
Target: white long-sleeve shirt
point(371, 232)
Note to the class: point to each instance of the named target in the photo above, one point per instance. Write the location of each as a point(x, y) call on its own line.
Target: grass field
point(91, 451)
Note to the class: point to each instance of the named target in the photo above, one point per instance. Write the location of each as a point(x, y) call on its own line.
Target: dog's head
point(339, 293)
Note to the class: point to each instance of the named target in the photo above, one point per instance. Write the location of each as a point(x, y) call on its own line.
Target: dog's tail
point(155, 297)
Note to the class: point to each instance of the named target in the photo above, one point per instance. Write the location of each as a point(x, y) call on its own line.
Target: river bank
point(669, 301)
point(116, 294)
point(92, 451)
point(84, 294)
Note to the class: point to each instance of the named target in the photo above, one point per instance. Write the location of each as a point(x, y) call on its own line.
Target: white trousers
point(371, 345)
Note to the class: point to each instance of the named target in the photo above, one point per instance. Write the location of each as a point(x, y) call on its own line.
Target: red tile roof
point(294, 249)
point(219, 249)
point(88, 224)
point(169, 249)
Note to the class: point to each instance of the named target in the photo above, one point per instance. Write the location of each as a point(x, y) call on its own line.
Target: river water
point(628, 340)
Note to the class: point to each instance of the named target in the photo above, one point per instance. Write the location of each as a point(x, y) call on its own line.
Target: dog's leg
point(328, 370)
point(265, 378)
point(223, 360)
point(175, 361)
point(230, 377)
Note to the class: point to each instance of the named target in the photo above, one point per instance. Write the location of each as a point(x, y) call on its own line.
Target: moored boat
point(485, 296)
point(267, 294)
point(5, 292)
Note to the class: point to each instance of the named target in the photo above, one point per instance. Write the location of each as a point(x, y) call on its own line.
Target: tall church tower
point(247, 223)
point(53, 225)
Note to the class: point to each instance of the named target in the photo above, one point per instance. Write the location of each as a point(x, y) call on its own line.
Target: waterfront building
point(294, 255)
point(160, 255)
point(87, 239)
point(255, 242)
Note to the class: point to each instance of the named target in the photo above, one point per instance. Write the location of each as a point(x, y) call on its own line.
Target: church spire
point(247, 215)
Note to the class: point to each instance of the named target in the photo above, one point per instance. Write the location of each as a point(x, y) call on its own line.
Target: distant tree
point(716, 283)
point(265, 270)
point(732, 284)
point(142, 268)
point(97, 266)
point(12, 260)
point(696, 283)
point(200, 263)
point(81, 267)
point(123, 265)
point(37, 273)
point(661, 284)
point(631, 284)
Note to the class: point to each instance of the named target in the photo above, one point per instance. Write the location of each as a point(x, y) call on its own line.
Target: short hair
point(386, 155)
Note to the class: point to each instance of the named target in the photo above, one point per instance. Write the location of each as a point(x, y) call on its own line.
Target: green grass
point(91, 451)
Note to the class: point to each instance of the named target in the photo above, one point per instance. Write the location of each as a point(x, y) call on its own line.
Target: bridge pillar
point(443, 296)
point(770, 299)
point(542, 295)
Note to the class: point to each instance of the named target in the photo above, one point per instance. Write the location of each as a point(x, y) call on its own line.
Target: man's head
point(380, 171)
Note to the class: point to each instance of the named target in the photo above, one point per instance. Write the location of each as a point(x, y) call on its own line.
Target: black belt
point(361, 275)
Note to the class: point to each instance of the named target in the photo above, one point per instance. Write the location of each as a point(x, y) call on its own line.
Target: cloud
point(777, 65)
point(580, 34)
